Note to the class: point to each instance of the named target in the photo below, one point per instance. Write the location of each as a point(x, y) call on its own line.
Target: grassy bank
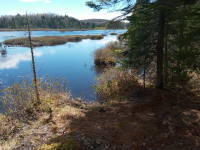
point(45, 29)
point(108, 55)
point(50, 40)
point(128, 117)
point(147, 119)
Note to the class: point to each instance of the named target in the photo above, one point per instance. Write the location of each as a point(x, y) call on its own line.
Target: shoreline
point(62, 30)
point(50, 40)
point(48, 29)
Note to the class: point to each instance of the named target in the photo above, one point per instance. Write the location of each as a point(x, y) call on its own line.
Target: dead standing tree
point(33, 60)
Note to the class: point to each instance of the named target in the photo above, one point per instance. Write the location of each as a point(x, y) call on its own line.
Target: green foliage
point(116, 25)
point(141, 37)
point(177, 21)
point(184, 39)
point(182, 49)
point(53, 21)
point(37, 21)
point(116, 4)
point(99, 28)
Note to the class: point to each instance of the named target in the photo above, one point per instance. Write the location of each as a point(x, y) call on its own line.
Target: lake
point(72, 61)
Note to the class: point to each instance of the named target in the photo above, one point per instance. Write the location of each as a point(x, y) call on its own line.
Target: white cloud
point(48, 1)
point(30, 1)
point(12, 61)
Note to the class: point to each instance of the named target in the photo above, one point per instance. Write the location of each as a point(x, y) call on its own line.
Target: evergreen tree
point(161, 32)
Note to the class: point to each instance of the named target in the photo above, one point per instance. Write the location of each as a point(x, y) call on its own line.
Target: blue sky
point(73, 8)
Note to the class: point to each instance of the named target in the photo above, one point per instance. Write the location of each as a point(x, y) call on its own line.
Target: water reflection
point(12, 60)
point(3, 53)
point(3, 50)
point(98, 70)
point(72, 61)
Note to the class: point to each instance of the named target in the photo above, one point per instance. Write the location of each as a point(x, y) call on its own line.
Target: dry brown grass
point(154, 120)
point(14, 132)
point(113, 34)
point(50, 40)
point(116, 83)
point(108, 55)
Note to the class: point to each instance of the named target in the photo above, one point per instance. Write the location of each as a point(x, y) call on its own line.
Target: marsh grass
point(116, 83)
point(19, 99)
point(23, 121)
point(113, 34)
point(108, 55)
point(50, 40)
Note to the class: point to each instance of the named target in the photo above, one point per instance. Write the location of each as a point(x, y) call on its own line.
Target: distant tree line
point(51, 21)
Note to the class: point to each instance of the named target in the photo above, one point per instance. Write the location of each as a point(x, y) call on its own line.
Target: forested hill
point(51, 21)
point(107, 24)
point(96, 21)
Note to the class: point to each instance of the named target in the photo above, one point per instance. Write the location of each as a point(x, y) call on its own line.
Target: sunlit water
point(72, 61)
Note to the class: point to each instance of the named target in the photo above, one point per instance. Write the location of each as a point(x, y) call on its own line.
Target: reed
point(50, 40)
point(108, 55)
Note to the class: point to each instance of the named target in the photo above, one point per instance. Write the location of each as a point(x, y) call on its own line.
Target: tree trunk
point(159, 49)
point(166, 74)
point(33, 61)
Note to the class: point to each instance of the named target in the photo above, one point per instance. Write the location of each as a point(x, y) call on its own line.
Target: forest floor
point(148, 120)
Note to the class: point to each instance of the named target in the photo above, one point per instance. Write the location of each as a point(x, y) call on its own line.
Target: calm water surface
point(72, 61)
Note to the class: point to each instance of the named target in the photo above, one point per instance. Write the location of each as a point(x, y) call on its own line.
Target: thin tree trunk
point(166, 60)
point(33, 61)
point(159, 48)
point(144, 78)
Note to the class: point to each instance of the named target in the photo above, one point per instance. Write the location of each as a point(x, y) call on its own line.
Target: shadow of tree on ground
point(155, 120)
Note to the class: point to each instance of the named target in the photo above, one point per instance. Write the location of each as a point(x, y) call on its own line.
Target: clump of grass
point(19, 99)
point(108, 55)
point(113, 34)
point(51, 40)
point(8, 127)
point(61, 143)
point(116, 83)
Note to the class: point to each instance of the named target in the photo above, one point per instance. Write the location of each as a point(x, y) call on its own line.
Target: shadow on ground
point(152, 120)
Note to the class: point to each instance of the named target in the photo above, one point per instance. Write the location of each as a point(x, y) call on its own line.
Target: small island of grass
point(113, 34)
point(109, 55)
point(50, 40)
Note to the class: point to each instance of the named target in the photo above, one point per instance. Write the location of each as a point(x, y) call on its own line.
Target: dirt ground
point(148, 120)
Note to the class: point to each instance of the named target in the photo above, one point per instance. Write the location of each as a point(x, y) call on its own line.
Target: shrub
point(108, 55)
point(116, 83)
point(19, 99)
